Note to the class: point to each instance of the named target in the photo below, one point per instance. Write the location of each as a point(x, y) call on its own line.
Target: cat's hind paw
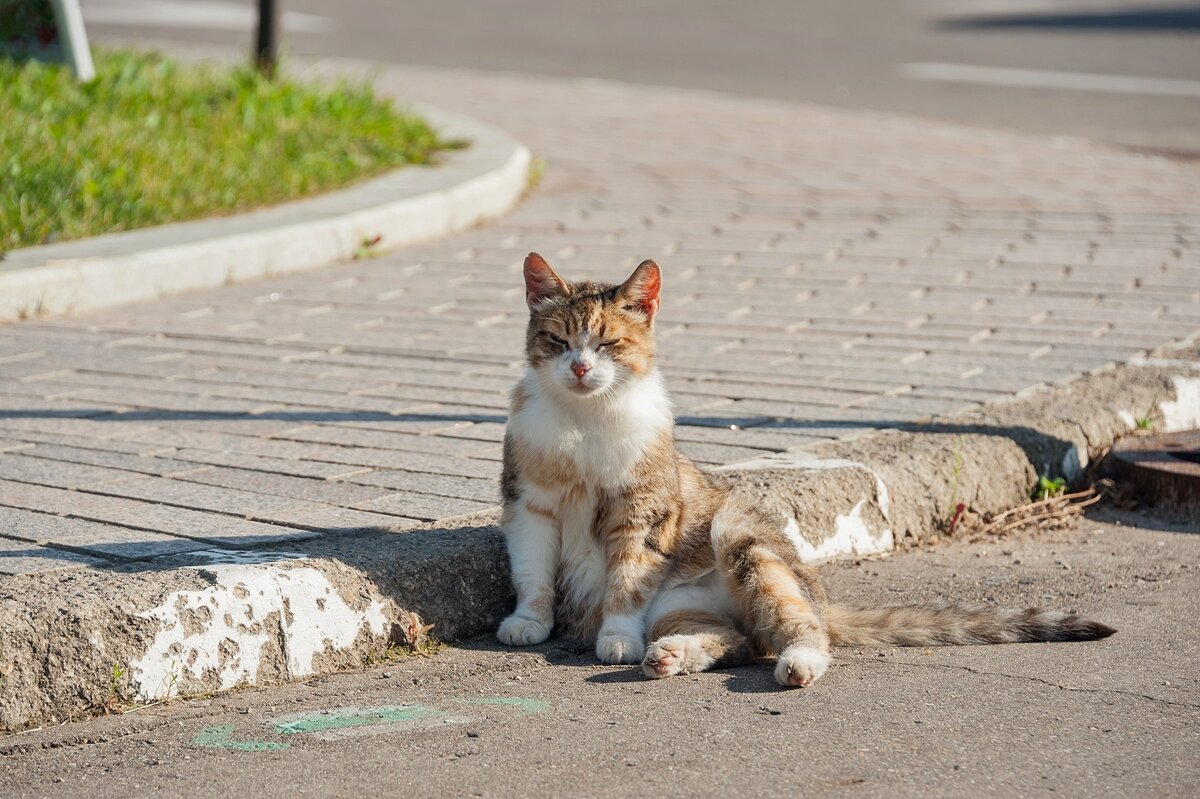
point(800, 666)
point(522, 631)
point(674, 654)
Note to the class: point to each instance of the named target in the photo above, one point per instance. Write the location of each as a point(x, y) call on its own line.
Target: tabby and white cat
point(614, 535)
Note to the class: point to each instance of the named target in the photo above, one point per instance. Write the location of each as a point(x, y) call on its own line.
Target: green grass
point(152, 141)
point(1049, 487)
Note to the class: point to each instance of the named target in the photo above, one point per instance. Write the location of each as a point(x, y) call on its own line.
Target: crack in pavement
point(143, 726)
point(1041, 680)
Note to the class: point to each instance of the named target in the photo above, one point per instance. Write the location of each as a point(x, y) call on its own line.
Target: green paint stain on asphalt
point(220, 737)
point(344, 717)
point(528, 707)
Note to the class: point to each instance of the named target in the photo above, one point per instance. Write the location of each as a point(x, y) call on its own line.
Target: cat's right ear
point(541, 282)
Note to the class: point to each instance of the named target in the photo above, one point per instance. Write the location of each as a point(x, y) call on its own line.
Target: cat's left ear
point(640, 292)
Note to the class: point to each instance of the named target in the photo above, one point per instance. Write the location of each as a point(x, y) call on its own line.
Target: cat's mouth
point(581, 389)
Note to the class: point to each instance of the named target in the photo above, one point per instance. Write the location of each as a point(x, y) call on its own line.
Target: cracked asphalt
point(1115, 718)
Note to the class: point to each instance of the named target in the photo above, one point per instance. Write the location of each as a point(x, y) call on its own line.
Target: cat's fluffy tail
point(954, 624)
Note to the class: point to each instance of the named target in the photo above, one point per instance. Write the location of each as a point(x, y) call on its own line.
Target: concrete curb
point(209, 622)
point(403, 207)
point(893, 488)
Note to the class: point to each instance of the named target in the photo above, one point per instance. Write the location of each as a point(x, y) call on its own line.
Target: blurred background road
point(1127, 73)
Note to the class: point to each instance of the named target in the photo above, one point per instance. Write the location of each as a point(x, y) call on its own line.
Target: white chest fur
point(604, 437)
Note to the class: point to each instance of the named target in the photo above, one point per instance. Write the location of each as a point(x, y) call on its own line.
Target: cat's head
point(590, 339)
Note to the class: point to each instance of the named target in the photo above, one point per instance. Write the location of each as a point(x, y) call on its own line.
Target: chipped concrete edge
point(848, 499)
point(211, 621)
point(79, 642)
point(408, 205)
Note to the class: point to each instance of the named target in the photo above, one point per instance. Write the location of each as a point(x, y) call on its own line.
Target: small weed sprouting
point(368, 248)
point(393, 653)
point(537, 170)
point(1048, 487)
point(171, 681)
point(411, 638)
point(5, 670)
point(112, 703)
point(1146, 420)
point(955, 511)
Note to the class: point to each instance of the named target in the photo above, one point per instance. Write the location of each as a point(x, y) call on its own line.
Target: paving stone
point(442, 485)
point(242, 460)
point(18, 466)
point(98, 444)
point(138, 464)
point(102, 540)
point(479, 431)
point(330, 520)
point(426, 462)
point(425, 421)
point(425, 506)
point(333, 493)
point(185, 494)
point(752, 437)
point(22, 557)
point(19, 407)
point(384, 439)
point(215, 528)
point(717, 454)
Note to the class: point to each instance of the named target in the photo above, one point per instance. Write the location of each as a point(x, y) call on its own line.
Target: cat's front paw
point(619, 649)
point(522, 631)
point(800, 666)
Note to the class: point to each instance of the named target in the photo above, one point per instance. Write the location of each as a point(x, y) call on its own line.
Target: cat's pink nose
point(580, 369)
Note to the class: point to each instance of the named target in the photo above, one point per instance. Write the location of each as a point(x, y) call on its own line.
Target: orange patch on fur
point(543, 605)
point(687, 621)
point(540, 511)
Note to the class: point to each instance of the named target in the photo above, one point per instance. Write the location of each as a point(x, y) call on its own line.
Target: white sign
point(46, 30)
point(73, 38)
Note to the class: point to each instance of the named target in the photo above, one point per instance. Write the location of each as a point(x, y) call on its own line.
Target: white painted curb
point(406, 206)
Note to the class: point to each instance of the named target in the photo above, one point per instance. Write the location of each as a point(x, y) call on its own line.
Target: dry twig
point(1052, 511)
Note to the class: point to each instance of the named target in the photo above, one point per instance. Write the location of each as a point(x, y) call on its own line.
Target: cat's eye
point(556, 341)
point(603, 345)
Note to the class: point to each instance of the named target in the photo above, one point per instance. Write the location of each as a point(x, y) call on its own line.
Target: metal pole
point(266, 52)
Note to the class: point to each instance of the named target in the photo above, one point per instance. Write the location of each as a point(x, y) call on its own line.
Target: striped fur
point(615, 536)
point(952, 624)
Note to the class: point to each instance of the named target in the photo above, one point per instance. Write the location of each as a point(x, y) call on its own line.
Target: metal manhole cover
point(1162, 468)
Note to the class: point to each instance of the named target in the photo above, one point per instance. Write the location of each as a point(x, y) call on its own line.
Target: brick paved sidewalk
point(826, 273)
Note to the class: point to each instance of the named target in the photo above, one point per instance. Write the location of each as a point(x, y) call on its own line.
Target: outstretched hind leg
point(689, 640)
point(779, 597)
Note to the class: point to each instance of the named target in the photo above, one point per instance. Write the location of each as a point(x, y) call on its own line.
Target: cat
point(614, 535)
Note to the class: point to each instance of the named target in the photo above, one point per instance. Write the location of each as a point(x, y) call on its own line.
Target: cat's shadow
point(752, 678)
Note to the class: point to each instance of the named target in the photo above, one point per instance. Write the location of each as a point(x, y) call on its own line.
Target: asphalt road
point(1122, 72)
point(1119, 717)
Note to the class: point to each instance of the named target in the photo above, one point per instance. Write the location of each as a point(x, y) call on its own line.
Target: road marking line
point(209, 14)
point(1049, 79)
